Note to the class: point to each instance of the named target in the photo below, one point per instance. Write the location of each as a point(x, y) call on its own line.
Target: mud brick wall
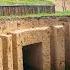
point(26, 9)
point(52, 34)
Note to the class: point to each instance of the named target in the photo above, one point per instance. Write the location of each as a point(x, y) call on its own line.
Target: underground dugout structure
point(35, 44)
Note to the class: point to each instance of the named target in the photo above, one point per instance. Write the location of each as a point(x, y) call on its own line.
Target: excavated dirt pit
point(32, 58)
point(44, 42)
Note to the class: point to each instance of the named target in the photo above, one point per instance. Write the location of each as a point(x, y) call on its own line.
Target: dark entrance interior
point(32, 56)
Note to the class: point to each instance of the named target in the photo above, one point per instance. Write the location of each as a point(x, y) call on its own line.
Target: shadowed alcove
point(32, 56)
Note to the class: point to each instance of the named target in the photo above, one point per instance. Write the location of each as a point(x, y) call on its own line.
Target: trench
point(32, 56)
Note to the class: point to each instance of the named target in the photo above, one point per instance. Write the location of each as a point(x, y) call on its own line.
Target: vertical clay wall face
point(32, 57)
point(1, 55)
point(67, 45)
point(58, 48)
point(69, 50)
point(66, 27)
point(47, 48)
point(7, 60)
point(32, 36)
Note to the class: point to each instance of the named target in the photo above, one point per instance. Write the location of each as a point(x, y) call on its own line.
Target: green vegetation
point(60, 14)
point(26, 2)
point(32, 2)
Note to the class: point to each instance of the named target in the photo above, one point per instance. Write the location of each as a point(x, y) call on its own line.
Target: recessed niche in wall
point(32, 56)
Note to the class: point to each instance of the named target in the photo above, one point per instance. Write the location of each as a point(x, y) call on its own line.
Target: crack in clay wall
point(53, 34)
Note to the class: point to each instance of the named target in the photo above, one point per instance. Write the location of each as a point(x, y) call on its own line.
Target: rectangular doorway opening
point(32, 56)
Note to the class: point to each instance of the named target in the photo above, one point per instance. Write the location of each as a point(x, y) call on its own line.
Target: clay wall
point(50, 34)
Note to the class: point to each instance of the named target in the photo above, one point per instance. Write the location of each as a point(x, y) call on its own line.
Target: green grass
point(32, 2)
point(26, 2)
point(59, 14)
